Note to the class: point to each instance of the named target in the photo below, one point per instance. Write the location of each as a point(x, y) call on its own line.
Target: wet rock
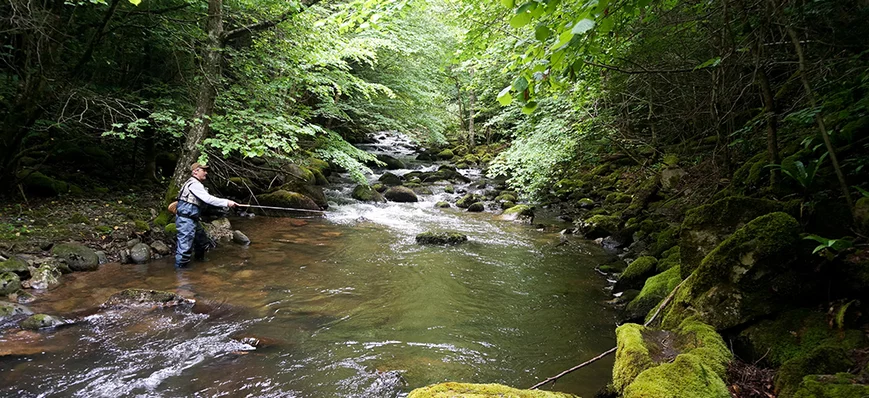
point(45, 277)
point(585, 203)
point(440, 238)
point(391, 162)
point(446, 154)
point(367, 193)
point(449, 189)
point(389, 179)
point(284, 198)
point(469, 199)
point(476, 207)
point(9, 283)
point(636, 273)
point(16, 265)
point(240, 238)
point(8, 310)
point(133, 242)
point(314, 193)
point(520, 213)
point(442, 205)
point(22, 297)
point(76, 256)
point(451, 389)
point(386, 384)
point(220, 230)
point(599, 226)
point(101, 255)
point(140, 253)
point(654, 290)
point(400, 194)
point(138, 298)
point(124, 256)
point(41, 321)
point(160, 248)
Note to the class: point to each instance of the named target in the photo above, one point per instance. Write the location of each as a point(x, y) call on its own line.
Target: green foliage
point(829, 248)
point(802, 174)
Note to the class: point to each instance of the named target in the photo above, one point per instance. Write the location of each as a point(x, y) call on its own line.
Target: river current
point(345, 305)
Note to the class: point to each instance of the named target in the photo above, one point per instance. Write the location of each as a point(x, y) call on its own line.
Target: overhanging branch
point(261, 26)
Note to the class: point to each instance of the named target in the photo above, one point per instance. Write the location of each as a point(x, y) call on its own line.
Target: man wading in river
point(192, 198)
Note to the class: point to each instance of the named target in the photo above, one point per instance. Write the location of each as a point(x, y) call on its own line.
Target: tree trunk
point(211, 60)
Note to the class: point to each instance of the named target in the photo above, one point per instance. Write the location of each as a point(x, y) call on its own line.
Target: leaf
point(863, 192)
point(520, 84)
point(584, 25)
point(520, 20)
point(508, 3)
point(542, 33)
point(712, 62)
point(529, 6)
point(529, 107)
point(563, 40)
point(504, 96)
point(135, 2)
point(823, 241)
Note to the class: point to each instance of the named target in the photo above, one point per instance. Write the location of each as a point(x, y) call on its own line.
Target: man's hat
point(197, 165)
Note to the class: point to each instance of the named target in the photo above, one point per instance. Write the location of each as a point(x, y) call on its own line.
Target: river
point(345, 305)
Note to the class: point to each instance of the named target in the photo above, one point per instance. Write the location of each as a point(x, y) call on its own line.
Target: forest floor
point(103, 221)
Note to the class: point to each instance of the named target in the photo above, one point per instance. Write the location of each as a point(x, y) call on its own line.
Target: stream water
point(346, 305)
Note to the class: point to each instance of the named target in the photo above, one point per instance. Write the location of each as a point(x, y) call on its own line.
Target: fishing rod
point(280, 208)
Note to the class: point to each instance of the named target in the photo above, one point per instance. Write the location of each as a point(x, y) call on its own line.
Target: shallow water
point(346, 305)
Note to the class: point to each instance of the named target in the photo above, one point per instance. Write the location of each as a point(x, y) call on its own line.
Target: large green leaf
point(508, 3)
point(542, 32)
point(529, 107)
point(504, 96)
point(520, 84)
point(520, 20)
point(582, 26)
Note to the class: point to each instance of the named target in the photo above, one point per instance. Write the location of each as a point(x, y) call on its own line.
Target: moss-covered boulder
point(9, 283)
point(749, 275)
point(688, 361)
point(468, 390)
point(442, 205)
point(618, 197)
point(636, 273)
point(298, 173)
point(521, 213)
point(8, 310)
point(389, 179)
point(400, 194)
point(440, 238)
point(391, 162)
point(16, 265)
point(617, 266)
point(705, 227)
point(144, 298)
point(283, 198)
point(669, 259)
point(585, 203)
point(446, 154)
point(469, 199)
point(41, 321)
point(319, 165)
point(839, 385)
point(599, 226)
point(366, 193)
point(36, 183)
point(824, 359)
point(506, 197)
point(476, 207)
point(654, 290)
point(77, 257)
point(316, 193)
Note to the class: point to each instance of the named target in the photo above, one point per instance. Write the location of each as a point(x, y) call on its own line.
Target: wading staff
point(280, 208)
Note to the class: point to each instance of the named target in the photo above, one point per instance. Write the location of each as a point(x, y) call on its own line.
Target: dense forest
point(734, 131)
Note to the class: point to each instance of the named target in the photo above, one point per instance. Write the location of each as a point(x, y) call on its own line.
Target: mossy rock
point(171, 229)
point(636, 273)
point(131, 298)
point(669, 259)
point(299, 174)
point(78, 218)
point(41, 321)
point(164, 218)
point(468, 390)
point(748, 276)
point(283, 198)
point(46, 276)
point(664, 240)
point(752, 175)
point(16, 265)
point(645, 365)
point(599, 226)
point(824, 359)
point(76, 256)
point(141, 226)
point(449, 189)
point(477, 207)
point(839, 385)
point(446, 154)
point(617, 266)
point(319, 165)
point(442, 205)
point(420, 190)
point(706, 226)
point(618, 197)
point(9, 283)
point(379, 187)
point(366, 193)
point(471, 159)
point(391, 162)
point(390, 179)
point(400, 194)
point(585, 203)
point(507, 205)
point(440, 238)
point(506, 197)
point(314, 192)
point(654, 290)
point(8, 309)
point(39, 184)
point(519, 213)
point(467, 200)
point(644, 194)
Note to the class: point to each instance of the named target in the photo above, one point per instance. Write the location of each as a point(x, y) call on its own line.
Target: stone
point(599, 226)
point(17, 265)
point(133, 242)
point(389, 179)
point(457, 390)
point(45, 277)
point(366, 193)
point(140, 253)
point(446, 154)
point(284, 198)
point(748, 276)
point(469, 199)
point(8, 309)
point(160, 247)
point(519, 213)
point(440, 238)
point(585, 203)
point(137, 298)
point(442, 205)
point(41, 321)
point(240, 238)
point(77, 257)
point(636, 273)
point(315, 193)
point(391, 162)
point(9, 283)
point(400, 194)
point(101, 255)
point(654, 291)
point(476, 207)
point(219, 230)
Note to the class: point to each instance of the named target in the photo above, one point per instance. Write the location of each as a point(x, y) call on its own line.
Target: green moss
point(506, 197)
point(654, 290)
point(9, 283)
point(840, 385)
point(618, 197)
point(440, 238)
point(449, 189)
point(687, 376)
point(319, 165)
point(170, 229)
point(366, 193)
point(164, 218)
point(442, 205)
point(445, 154)
point(749, 176)
point(141, 226)
point(518, 211)
point(16, 265)
point(636, 273)
point(456, 390)
point(471, 159)
point(469, 199)
point(632, 356)
point(78, 257)
point(824, 359)
point(664, 240)
point(669, 259)
point(283, 198)
point(78, 218)
point(585, 203)
point(671, 159)
point(40, 321)
point(600, 225)
point(733, 284)
point(700, 339)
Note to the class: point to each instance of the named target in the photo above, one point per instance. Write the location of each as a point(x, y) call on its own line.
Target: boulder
point(706, 226)
point(220, 230)
point(140, 253)
point(446, 154)
point(41, 321)
point(283, 198)
point(315, 193)
point(133, 298)
point(8, 309)
point(599, 226)
point(240, 238)
point(16, 265)
point(688, 361)
point(521, 213)
point(133, 242)
point(748, 276)
point(469, 199)
point(366, 193)
point(400, 194)
point(476, 207)
point(839, 385)
point(9, 283)
point(440, 238)
point(76, 256)
point(636, 273)
point(654, 291)
point(455, 390)
point(45, 277)
point(299, 174)
point(102, 257)
point(160, 248)
point(442, 205)
point(390, 179)
point(391, 162)
point(585, 203)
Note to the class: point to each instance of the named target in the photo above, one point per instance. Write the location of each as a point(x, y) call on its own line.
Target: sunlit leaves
point(504, 97)
point(582, 26)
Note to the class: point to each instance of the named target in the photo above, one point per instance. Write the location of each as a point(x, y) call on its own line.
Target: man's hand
point(231, 203)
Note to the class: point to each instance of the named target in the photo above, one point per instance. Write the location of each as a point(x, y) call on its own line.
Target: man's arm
point(199, 191)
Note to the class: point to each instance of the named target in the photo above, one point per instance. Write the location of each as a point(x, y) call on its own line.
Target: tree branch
point(261, 26)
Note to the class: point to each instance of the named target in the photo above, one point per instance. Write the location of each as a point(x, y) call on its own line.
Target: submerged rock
point(9, 283)
point(41, 321)
point(76, 256)
point(401, 194)
point(240, 238)
point(140, 253)
point(366, 193)
point(220, 230)
point(440, 238)
point(46, 276)
point(146, 298)
point(456, 390)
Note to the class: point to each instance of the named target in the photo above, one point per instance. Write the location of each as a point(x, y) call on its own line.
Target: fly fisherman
point(192, 198)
